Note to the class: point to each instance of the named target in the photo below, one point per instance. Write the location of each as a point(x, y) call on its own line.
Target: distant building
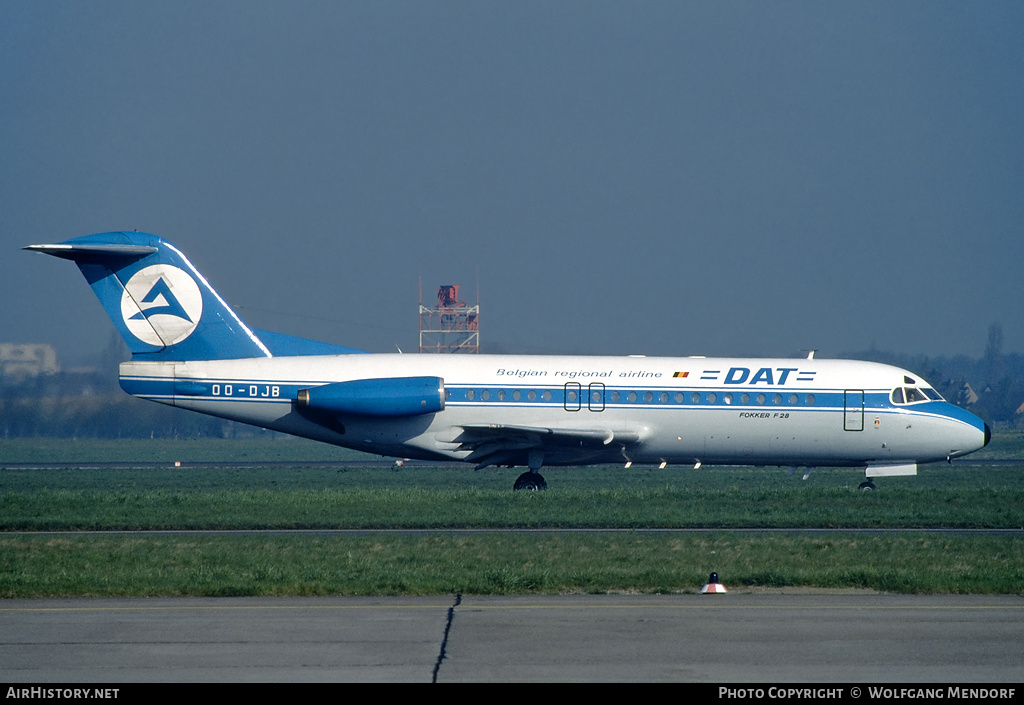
point(967, 395)
point(21, 361)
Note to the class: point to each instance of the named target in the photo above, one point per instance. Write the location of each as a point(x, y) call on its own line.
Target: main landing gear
point(868, 485)
point(530, 480)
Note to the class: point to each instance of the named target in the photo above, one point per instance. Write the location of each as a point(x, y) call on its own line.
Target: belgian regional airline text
point(767, 376)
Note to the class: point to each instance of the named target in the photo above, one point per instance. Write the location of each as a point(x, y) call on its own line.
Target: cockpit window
point(913, 395)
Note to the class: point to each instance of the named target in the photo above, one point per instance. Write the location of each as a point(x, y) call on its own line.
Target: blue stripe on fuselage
point(831, 400)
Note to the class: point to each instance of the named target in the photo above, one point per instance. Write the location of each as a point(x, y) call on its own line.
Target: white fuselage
point(809, 412)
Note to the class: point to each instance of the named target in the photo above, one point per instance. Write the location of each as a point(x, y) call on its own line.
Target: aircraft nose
point(988, 434)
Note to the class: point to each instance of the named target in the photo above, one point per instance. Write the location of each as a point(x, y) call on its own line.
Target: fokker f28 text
point(190, 350)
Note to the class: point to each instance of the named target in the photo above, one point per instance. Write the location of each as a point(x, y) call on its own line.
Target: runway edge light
point(713, 587)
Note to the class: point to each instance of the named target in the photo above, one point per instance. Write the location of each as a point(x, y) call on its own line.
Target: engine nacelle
point(391, 396)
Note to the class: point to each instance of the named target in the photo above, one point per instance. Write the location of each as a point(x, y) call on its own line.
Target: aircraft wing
point(501, 444)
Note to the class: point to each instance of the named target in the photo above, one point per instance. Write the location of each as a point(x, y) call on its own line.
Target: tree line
point(991, 387)
point(77, 405)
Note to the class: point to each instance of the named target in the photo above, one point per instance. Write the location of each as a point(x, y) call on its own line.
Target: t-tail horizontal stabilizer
point(159, 302)
point(164, 308)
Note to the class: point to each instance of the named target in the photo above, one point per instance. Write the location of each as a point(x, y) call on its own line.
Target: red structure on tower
point(452, 326)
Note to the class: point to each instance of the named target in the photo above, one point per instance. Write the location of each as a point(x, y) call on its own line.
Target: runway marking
point(757, 607)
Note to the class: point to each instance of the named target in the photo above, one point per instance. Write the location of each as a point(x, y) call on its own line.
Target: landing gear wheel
point(869, 485)
point(532, 481)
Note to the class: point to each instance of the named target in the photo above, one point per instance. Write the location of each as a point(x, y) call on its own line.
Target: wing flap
point(509, 444)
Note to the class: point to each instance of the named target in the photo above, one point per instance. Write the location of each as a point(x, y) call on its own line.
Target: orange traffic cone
point(713, 586)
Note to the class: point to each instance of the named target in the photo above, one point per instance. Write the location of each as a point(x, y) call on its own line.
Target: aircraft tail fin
point(160, 303)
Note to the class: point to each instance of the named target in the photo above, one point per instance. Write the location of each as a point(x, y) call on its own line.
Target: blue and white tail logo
point(161, 305)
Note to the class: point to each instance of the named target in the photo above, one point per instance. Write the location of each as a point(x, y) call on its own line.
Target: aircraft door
point(853, 414)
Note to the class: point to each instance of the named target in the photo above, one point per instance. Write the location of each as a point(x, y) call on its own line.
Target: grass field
point(347, 494)
point(1005, 445)
point(258, 564)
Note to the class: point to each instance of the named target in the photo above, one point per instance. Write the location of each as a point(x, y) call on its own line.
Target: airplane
point(191, 350)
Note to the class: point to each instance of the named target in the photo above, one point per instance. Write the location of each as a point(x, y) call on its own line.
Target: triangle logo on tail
point(166, 303)
point(161, 305)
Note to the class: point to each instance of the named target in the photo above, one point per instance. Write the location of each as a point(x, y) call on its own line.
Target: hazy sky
point(668, 178)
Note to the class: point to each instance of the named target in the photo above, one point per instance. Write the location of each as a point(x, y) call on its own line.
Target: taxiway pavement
point(733, 638)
